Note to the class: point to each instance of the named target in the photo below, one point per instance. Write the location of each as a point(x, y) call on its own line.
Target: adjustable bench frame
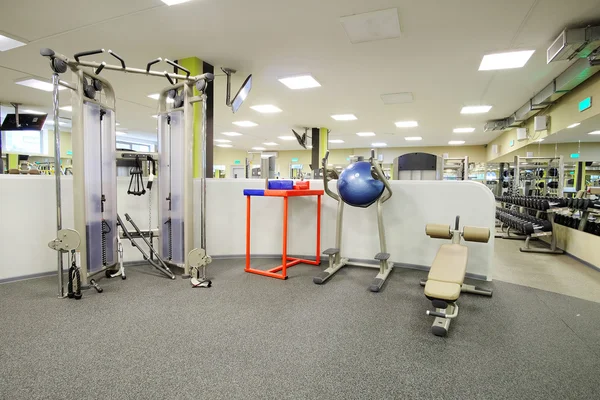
point(447, 310)
point(336, 262)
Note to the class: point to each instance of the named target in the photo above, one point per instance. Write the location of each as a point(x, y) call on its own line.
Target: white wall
point(28, 217)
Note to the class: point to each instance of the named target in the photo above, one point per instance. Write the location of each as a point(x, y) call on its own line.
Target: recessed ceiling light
point(118, 124)
point(514, 59)
point(287, 137)
point(365, 133)
point(156, 96)
point(270, 144)
point(371, 26)
point(407, 124)
point(119, 133)
point(224, 145)
point(245, 124)
point(231, 134)
point(67, 108)
point(456, 142)
point(413, 138)
point(475, 109)
point(266, 109)
point(174, 2)
point(379, 144)
point(594, 133)
point(539, 140)
point(463, 130)
point(155, 116)
point(574, 125)
point(258, 148)
point(336, 141)
point(33, 112)
point(344, 117)
point(7, 43)
point(222, 140)
point(300, 82)
point(309, 146)
point(38, 84)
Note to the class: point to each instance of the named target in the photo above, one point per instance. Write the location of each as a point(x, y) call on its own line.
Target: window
point(140, 147)
point(123, 146)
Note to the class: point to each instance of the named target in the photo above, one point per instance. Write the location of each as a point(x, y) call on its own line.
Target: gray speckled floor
point(252, 337)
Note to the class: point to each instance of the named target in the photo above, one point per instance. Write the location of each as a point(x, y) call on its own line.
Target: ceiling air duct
point(582, 44)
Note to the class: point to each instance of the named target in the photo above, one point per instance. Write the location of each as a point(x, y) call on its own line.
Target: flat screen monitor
point(27, 122)
point(242, 94)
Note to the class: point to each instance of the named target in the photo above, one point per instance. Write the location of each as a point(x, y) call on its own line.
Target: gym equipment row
point(537, 175)
point(534, 202)
point(593, 227)
point(529, 226)
point(445, 281)
point(582, 204)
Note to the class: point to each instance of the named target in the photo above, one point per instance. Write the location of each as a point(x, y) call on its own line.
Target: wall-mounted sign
point(236, 162)
point(294, 160)
point(585, 104)
point(512, 143)
point(575, 155)
point(296, 166)
point(69, 153)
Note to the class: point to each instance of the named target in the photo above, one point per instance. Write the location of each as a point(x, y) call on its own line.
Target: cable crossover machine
point(95, 178)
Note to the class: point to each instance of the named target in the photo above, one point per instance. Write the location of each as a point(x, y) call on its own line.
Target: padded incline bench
point(447, 274)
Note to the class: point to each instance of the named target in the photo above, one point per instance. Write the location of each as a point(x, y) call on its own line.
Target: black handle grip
point(174, 64)
point(169, 78)
point(87, 53)
point(151, 63)
point(115, 55)
point(100, 68)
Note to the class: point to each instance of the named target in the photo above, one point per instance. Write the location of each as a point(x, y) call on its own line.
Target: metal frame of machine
point(336, 262)
point(94, 183)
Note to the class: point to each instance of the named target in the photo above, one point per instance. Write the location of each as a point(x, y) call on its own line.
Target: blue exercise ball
point(357, 187)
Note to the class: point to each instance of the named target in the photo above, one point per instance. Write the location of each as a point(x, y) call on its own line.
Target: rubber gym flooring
point(252, 337)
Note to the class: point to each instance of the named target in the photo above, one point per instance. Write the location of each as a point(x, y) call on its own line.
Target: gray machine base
point(375, 286)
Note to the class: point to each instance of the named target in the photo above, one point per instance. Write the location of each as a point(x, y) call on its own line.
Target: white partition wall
point(413, 205)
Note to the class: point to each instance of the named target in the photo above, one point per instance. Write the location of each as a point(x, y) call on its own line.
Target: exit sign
point(236, 162)
point(294, 160)
point(585, 104)
point(512, 143)
point(69, 153)
point(575, 155)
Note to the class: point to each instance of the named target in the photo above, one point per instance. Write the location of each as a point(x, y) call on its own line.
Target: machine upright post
point(203, 194)
point(57, 172)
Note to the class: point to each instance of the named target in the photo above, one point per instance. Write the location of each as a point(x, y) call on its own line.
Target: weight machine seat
point(447, 273)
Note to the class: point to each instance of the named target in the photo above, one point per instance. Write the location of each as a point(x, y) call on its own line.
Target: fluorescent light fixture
point(573, 125)
point(118, 124)
point(7, 43)
point(594, 133)
point(38, 84)
point(463, 130)
point(224, 145)
point(514, 59)
point(270, 144)
point(539, 140)
point(258, 148)
point(245, 124)
point(413, 138)
point(287, 137)
point(231, 134)
point(266, 109)
point(456, 142)
point(336, 141)
point(33, 112)
point(67, 108)
point(300, 82)
point(174, 2)
point(119, 133)
point(156, 96)
point(364, 134)
point(222, 140)
point(344, 117)
point(407, 124)
point(371, 26)
point(155, 116)
point(379, 144)
point(475, 109)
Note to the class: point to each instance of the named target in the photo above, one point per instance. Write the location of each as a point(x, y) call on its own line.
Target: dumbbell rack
point(535, 235)
point(588, 210)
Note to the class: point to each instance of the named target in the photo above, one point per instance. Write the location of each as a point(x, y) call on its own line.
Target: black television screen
point(301, 139)
point(242, 94)
point(27, 122)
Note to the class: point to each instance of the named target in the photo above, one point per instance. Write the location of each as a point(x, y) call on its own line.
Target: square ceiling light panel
point(174, 2)
point(287, 137)
point(514, 59)
point(456, 142)
point(300, 82)
point(7, 43)
point(364, 134)
point(463, 130)
point(372, 26)
point(266, 109)
point(475, 109)
point(407, 124)
point(245, 124)
point(379, 144)
point(231, 134)
point(38, 84)
point(397, 98)
point(336, 141)
point(413, 138)
point(344, 117)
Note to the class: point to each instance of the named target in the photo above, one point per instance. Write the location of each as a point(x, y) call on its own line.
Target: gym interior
point(319, 200)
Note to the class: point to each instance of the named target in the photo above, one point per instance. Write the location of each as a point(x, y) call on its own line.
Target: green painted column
point(323, 142)
point(199, 67)
point(13, 161)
